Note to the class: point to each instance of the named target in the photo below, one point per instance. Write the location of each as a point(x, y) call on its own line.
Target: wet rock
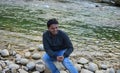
point(36, 56)
point(85, 71)
point(40, 67)
point(4, 53)
point(24, 61)
point(22, 71)
point(40, 47)
point(83, 61)
point(27, 54)
point(30, 65)
point(92, 66)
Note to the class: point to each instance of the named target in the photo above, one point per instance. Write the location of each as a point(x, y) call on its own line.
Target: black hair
point(52, 21)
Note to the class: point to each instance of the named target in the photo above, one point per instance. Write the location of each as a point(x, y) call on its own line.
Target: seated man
point(58, 47)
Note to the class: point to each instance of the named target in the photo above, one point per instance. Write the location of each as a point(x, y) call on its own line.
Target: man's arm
point(68, 44)
point(47, 47)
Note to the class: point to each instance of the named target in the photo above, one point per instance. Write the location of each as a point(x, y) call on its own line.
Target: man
point(58, 47)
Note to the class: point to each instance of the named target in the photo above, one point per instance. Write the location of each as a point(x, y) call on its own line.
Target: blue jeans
point(66, 63)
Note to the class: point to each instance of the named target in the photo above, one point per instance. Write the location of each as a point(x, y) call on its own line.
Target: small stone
point(27, 54)
point(63, 71)
point(22, 71)
point(40, 67)
point(24, 61)
point(31, 49)
point(83, 61)
point(36, 56)
point(13, 70)
point(92, 66)
point(40, 47)
point(85, 71)
point(0, 68)
point(59, 65)
point(111, 70)
point(118, 71)
point(78, 67)
point(99, 71)
point(8, 62)
point(30, 65)
point(103, 66)
point(13, 66)
point(4, 53)
point(2, 64)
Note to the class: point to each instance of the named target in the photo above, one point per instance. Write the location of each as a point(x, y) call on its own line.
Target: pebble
point(36, 56)
point(22, 71)
point(83, 61)
point(40, 47)
point(92, 66)
point(85, 71)
point(4, 52)
point(13, 66)
point(24, 61)
point(40, 67)
point(30, 65)
point(27, 54)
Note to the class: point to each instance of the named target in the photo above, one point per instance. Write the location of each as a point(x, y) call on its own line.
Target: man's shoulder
point(45, 32)
point(62, 32)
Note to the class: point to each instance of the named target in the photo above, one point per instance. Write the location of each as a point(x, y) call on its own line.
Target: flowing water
point(78, 18)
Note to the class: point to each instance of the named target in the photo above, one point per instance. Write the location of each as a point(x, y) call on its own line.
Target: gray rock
point(24, 61)
point(0, 68)
point(99, 71)
point(92, 66)
point(22, 71)
point(27, 54)
point(13, 66)
point(40, 47)
point(111, 70)
point(40, 67)
point(4, 52)
point(59, 65)
point(36, 56)
point(13, 70)
point(31, 49)
point(30, 65)
point(2, 64)
point(85, 71)
point(83, 61)
point(103, 66)
point(8, 62)
point(118, 71)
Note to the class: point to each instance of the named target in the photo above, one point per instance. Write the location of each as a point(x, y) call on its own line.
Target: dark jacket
point(59, 42)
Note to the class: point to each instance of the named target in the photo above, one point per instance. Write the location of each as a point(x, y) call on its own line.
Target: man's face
point(53, 29)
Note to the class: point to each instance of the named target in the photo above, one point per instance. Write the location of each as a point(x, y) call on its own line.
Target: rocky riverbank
point(94, 56)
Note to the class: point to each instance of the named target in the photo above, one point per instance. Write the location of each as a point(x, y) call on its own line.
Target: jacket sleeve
point(68, 44)
point(47, 47)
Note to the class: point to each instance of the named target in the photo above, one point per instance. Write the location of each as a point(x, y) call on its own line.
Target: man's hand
point(60, 58)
